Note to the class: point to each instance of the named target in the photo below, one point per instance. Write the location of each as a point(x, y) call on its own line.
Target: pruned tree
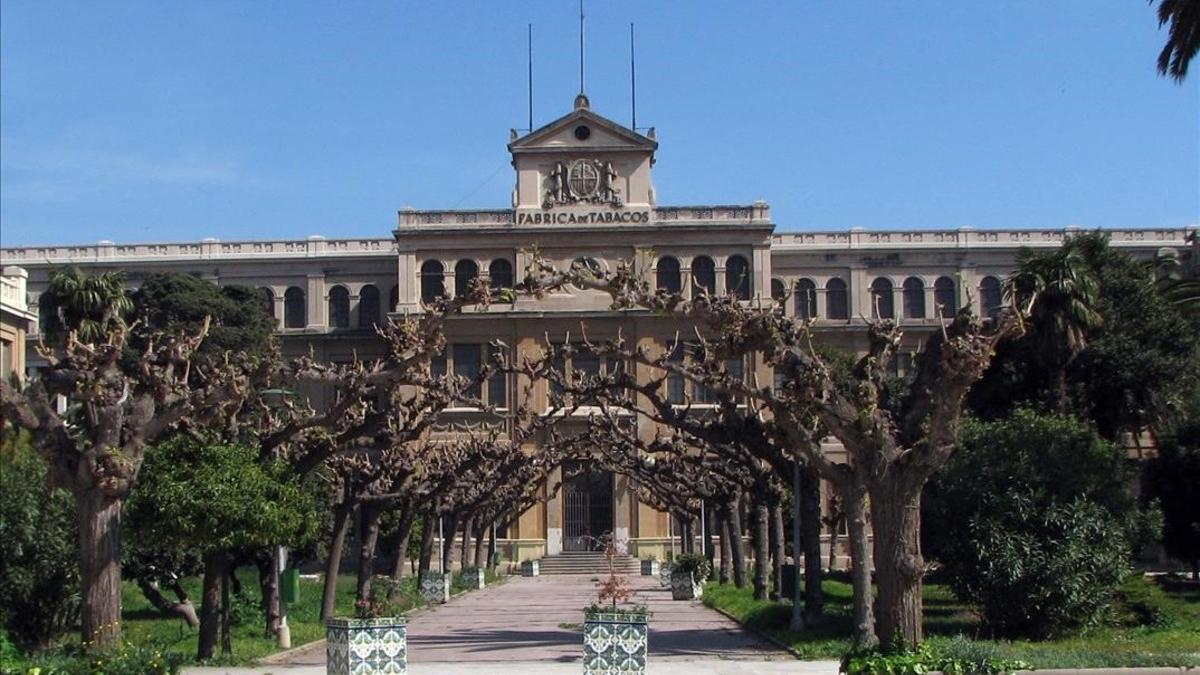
point(891, 452)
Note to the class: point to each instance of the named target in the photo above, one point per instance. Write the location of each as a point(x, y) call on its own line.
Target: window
point(991, 300)
point(667, 273)
point(836, 305)
point(914, 298)
point(778, 294)
point(433, 285)
point(679, 388)
point(882, 304)
point(393, 298)
point(339, 307)
point(466, 360)
point(735, 368)
point(500, 274)
point(582, 364)
point(704, 276)
point(737, 277)
point(675, 382)
point(268, 299)
point(7, 364)
point(806, 299)
point(295, 314)
point(368, 307)
point(464, 273)
point(945, 297)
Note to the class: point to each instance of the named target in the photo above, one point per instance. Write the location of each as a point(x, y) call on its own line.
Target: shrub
point(39, 579)
point(694, 564)
point(1034, 523)
point(960, 657)
point(1141, 602)
point(122, 659)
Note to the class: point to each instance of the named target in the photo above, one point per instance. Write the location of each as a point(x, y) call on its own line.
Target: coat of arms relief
point(582, 181)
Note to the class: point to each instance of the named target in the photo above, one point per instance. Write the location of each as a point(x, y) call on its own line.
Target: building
point(15, 321)
point(584, 195)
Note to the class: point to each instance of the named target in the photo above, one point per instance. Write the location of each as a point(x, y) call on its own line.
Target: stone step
point(586, 562)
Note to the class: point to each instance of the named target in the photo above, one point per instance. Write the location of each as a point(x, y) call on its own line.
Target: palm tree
point(1179, 284)
point(1183, 37)
point(1063, 292)
point(90, 305)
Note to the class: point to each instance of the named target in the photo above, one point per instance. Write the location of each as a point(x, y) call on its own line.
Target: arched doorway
point(587, 505)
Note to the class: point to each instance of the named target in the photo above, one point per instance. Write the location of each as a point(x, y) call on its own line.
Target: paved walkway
point(709, 667)
point(537, 620)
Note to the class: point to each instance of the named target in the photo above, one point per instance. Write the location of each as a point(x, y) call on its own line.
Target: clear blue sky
point(239, 119)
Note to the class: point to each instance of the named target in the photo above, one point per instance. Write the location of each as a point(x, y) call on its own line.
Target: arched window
point(779, 295)
point(806, 299)
point(945, 296)
point(991, 300)
point(882, 304)
point(737, 277)
point(433, 285)
point(667, 275)
point(339, 307)
point(464, 273)
point(295, 314)
point(704, 276)
point(393, 298)
point(268, 299)
point(836, 304)
point(47, 320)
point(914, 298)
point(368, 307)
point(500, 274)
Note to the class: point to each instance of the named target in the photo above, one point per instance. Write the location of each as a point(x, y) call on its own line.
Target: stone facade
point(15, 321)
point(583, 195)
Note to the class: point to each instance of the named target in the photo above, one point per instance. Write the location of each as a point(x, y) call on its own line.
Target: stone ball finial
point(581, 101)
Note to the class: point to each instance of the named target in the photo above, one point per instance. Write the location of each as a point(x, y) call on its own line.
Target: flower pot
point(664, 573)
point(614, 644)
point(649, 568)
point(529, 568)
point(685, 587)
point(473, 578)
point(366, 646)
point(435, 587)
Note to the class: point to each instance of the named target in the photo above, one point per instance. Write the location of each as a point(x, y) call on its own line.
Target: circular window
point(582, 132)
point(588, 267)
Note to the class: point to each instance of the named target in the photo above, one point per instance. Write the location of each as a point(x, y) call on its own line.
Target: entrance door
point(587, 506)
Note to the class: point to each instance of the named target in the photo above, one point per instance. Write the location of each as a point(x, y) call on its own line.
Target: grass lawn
point(947, 620)
point(143, 624)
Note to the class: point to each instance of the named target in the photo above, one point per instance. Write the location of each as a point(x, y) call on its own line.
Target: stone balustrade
point(312, 247)
point(859, 238)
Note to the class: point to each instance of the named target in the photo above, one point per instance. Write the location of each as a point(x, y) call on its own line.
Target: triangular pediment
point(602, 134)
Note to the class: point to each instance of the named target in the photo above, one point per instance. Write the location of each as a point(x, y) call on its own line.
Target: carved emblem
point(582, 181)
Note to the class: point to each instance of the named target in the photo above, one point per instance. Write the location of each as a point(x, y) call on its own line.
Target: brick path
point(521, 621)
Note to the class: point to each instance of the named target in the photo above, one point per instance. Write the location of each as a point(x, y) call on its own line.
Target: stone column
point(317, 303)
point(554, 516)
point(622, 497)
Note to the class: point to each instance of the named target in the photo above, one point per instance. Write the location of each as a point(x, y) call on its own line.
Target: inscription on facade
point(584, 218)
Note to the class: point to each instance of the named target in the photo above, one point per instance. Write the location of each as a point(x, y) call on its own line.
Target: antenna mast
point(530, 27)
point(632, 80)
point(581, 47)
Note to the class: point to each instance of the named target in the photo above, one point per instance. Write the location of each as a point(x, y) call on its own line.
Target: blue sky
point(238, 119)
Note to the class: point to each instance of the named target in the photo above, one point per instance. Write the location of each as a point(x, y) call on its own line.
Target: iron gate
point(587, 506)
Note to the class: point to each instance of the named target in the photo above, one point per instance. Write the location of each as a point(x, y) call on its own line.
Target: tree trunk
point(426, 559)
point(810, 533)
point(689, 540)
point(726, 549)
point(366, 550)
point(268, 583)
point(735, 543)
point(406, 523)
point(465, 549)
point(706, 541)
point(854, 501)
point(833, 541)
point(182, 609)
point(480, 542)
point(333, 565)
point(226, 607)
point(491, 553)
point(896, 516)
point(760, 525)
point(99, 524)
point(777, 545)
point(215, 577)
point(448, 543)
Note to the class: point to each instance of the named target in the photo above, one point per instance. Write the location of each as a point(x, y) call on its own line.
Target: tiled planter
point(529, 568)
point(614, 644)
point(435, 588)
point(473, 578)
point(649, 568)
point(664, 573)
point(684, 587)
point(366, 646)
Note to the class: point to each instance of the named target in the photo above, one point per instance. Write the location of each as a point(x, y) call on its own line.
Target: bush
point(960, 657)
point(693, 563)
point(1034, 523)
point(1141, 602)
point(39, 578)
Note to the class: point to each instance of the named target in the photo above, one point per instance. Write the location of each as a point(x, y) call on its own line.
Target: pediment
point(602, 134)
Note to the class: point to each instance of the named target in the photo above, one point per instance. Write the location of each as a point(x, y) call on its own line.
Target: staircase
point(587, 562)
